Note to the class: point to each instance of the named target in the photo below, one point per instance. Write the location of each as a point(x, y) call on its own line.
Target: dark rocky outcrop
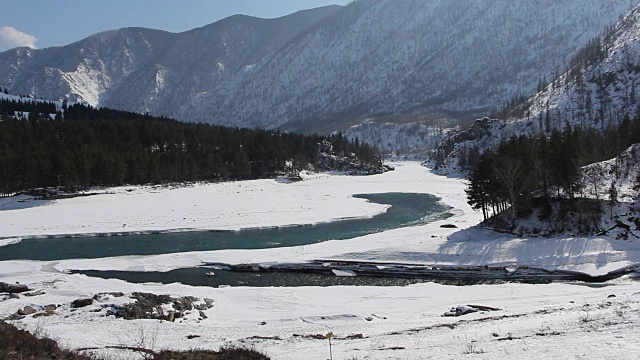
point(106, 296)
point(27, 310)
point(13, 288)
point(481, 128)
point(349, 164)
point(150, 306)
point(80, 303)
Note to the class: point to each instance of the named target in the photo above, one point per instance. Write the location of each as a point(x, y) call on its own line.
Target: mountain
point(402, 136)
point(598, 90)
point(85, 70)
point(324, 69)
point(147, 70)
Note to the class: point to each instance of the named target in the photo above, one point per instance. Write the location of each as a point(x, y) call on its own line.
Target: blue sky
point(44, 23)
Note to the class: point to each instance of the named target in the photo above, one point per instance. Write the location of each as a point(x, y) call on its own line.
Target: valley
point(375, 180)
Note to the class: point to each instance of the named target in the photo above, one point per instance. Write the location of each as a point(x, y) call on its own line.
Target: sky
point(45, 23)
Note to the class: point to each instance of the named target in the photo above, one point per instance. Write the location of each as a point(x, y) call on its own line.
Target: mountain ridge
point(317, 70)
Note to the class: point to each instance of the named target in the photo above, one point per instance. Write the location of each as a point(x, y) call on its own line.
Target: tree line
point(38, 108)
point(528, 171)
point(109, 148)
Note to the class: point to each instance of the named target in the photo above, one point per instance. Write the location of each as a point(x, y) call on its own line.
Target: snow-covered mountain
point(402, 136)
point(316, 69)
point(598, 90)
point(150, 70)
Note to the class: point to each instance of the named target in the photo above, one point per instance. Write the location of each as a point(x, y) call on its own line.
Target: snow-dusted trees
point(526, 172)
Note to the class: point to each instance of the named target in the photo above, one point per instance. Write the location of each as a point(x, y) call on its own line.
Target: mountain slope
point(203, 60)
point(145, 70)
point(313, 70)
point(597, 91)
point(83, 70)
point(443, 57)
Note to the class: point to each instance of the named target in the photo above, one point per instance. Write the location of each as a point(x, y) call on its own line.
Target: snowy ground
point(566, 320)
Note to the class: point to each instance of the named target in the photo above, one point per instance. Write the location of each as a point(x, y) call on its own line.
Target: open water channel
point(406, 209)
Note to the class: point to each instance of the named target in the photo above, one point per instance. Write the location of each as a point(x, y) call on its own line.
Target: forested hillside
point(525, 173)
point(597, 90)
point(109, 147)
point(554, 162)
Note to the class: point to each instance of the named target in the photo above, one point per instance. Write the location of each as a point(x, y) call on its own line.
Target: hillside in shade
point(597, 91)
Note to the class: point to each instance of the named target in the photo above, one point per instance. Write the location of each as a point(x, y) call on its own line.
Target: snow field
point(535, 321)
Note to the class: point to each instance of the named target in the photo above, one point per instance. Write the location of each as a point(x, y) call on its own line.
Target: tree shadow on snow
point(479, 246)
point(21, 202)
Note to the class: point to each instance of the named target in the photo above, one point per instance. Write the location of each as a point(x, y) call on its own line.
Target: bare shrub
point(472, 348)
point(20, 344)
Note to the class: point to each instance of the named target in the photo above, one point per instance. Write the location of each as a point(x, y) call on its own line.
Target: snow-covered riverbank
point(222, 206)
point(394, 322)
point(567, 321)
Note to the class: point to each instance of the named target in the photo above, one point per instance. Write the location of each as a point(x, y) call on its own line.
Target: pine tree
point(478, 190)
